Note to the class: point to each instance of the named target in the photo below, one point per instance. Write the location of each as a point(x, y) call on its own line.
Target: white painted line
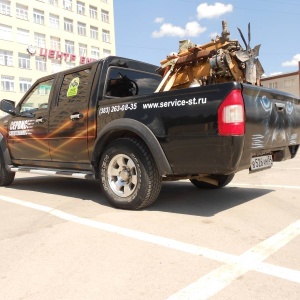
point(276, 271)
point(279, 168)
point(216, 280)
point(138, 235)
point(265, 185)
point(213, 282)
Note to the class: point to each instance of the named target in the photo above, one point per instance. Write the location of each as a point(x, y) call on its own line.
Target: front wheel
point(128, 174)
point(6, 177)
point(222, 180)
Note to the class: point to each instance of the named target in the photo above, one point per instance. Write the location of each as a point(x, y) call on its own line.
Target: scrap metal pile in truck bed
point(221, 60)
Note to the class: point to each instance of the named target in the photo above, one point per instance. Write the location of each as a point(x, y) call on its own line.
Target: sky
point(149, 30)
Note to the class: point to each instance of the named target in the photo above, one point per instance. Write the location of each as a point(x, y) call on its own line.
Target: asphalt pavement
point(60, 239)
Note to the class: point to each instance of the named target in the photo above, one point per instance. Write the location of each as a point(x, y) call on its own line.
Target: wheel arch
point(5, 151)
point(130, 128)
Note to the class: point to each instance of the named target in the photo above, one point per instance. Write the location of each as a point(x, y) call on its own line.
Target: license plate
point(261, 162)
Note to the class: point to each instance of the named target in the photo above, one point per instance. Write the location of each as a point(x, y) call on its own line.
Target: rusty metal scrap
point(221, 60)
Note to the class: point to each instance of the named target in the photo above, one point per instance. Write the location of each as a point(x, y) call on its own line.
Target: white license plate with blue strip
point(261, 162)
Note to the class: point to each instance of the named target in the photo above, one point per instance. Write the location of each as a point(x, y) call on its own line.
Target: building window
point(106, 52)
point(40, 64)
point(67, 4)
point(68, 25)
point(38, 17)
point(95, 52)
point(53, 2)
point(70, 65)
point(82, 50)
point(24, 61)
point(23, 36)
point(94, 33)
point(80, 8)
point(81, 29)
point(55, 43)
point(289, 83)
point(6, 58)
point(69, 47)
point(5, 32)
point(54, 21)
point(7, 83)
point(22, 12)
point(39, 40)
point(55, 65)
point(105, 1)
point(5, 7)
point(273, 85)
point(105, 36)
point(105, 16)
point(93, 12)
point(25, 84)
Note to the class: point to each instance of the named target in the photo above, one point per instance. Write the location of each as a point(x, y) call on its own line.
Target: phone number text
point(116, 108)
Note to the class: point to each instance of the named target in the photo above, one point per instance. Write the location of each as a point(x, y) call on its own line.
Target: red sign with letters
point(64, 55)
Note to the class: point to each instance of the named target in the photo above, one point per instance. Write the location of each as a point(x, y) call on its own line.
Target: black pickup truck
point(104, 120)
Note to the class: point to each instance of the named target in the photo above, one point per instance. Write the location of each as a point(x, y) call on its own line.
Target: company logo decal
point(23, 127)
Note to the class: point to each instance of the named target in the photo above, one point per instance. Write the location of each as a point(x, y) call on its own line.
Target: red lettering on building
point(82, 60)
point(51, 53)
point(43, 52)
point(64, 55)
point(59, 55)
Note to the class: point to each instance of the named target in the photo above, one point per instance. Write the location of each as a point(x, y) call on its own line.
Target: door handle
point(76, 116)
point(40, 120)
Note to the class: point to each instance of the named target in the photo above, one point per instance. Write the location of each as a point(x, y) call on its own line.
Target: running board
point(53, 172)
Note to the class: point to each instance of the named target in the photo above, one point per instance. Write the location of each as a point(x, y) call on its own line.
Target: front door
point(29, 129)
point(68, 121)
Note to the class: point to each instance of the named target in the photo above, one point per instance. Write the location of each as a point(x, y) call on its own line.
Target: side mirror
point(8, 106)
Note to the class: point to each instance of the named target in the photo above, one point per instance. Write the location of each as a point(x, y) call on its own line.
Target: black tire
point(223, 180)
point(128, 175)
point(6, 177)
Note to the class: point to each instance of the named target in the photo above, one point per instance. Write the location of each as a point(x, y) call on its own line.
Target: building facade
point(40, 37)
point(288, 82)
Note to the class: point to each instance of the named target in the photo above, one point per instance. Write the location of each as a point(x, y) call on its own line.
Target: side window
point(74, 88)
point(122, 82)
point(38, 98)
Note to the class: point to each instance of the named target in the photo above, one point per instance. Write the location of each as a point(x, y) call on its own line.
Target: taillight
point(231, 115)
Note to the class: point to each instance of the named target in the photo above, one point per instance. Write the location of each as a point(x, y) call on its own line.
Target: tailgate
point(272, 122)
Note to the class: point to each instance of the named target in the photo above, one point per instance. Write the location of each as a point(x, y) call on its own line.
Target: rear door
point(29, 129)
point(68, 121)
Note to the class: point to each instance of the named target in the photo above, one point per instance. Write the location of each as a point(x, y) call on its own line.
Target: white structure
point(287, 82)
point(40, 37)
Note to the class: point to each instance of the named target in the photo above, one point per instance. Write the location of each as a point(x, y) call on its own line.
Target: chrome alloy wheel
point(122, 175)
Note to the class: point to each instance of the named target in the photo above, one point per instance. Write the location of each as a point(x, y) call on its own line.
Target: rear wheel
point(222, 180)
point(6, 177)
point(128, 174)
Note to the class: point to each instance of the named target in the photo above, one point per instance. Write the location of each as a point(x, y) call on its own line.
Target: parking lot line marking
point(280, 168)
point(234, 266)
point(265, 185)
point(218, 279)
